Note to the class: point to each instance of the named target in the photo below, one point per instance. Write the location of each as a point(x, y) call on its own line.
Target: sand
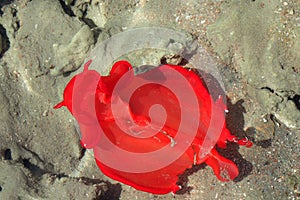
point(254, 44)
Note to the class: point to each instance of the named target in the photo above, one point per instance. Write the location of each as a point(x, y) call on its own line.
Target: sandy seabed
point(43, 42)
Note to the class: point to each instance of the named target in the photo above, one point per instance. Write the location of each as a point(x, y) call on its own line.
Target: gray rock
point(70, 57)
point(258, 55)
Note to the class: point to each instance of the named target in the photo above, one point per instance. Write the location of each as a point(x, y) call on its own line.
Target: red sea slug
point(147, 129)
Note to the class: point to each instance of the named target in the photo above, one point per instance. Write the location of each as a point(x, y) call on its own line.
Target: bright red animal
point(145, 134)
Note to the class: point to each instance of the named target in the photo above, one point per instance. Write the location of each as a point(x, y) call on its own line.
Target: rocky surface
point(256, 44)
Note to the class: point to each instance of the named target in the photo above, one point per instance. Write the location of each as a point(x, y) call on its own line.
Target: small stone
point(45, 113)
point(265, 129)
point(291, 12)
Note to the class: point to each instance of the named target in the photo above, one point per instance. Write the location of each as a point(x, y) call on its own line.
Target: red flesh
point(160, 181)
